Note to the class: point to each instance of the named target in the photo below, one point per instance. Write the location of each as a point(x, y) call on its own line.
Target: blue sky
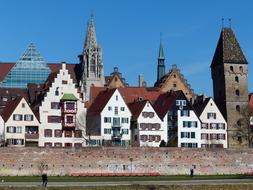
point(129, 33)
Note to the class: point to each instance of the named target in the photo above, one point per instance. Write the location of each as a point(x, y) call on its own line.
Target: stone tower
point(92, 71)
point(161, 65)
point(230, 84)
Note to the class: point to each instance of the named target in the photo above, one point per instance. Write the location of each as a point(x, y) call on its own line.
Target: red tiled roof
point(70, 67)
point(100, 101)
point(10, 107)
point(136, 108)
point(165, 102)
point(130, 94)
point(5, 69)
point(251, 104)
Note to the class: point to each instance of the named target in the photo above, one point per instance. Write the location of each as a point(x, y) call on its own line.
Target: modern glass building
point(30, 68)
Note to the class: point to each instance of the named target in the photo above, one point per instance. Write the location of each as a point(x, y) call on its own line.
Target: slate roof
point(10, 107)
point(136, 108)
point(165, 102)
point(228, 49)
point(130, 94)
point(100, 101)
point(200, 106)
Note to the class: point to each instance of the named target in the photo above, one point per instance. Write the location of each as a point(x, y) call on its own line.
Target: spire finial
point(222, 22)
point(229, 21)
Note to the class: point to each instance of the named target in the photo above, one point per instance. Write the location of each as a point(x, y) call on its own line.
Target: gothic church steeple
point(161, 65)
point(91, 62)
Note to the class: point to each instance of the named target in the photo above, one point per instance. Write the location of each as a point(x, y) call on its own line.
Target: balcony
point(69, 125)
point(67, 110)
point(32, 137)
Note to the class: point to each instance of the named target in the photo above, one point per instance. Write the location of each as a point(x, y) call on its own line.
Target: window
point(56, 91)
point(28, 117)
point(55, 105)
point(142, 126)
point(192, 135)
point(68, 133)
point(151, 114)
point(124, 120)
point(190, 124)
point(107, 131)
point(116, 121)
point(117, 97)
point(185, 134)
point(107, 119)
point(213, 126)
point(241, 69)
point(70, 119)
point(204, 136)
point(221, 125)
point(70, 106)
point(54, 119)
point(149, 126)
point(238, 108)
point(109, 108)
point(157, 138)
point(68, 145)
point(237, 92)
point(116, 111)
point(144, 114)
point(17, 117)
point(57, 133)
point(48, 133)
point(189, 145)
point(180, 102)
point(157, 126)
point(204, 126)
point(211, 115)
point(125, 131)
point(232, 68)
point(174, 85)
point(48, 144)
point(18, 129)
point(58, 144)
point(11, 129)
point(78, 145)
point(23, 105)
point(236, 79)
point(185, 113)
point(204, 145)
point(143, 138)
point(122, 108)
point(78, 134)
point(64, 82)
point(150, 137)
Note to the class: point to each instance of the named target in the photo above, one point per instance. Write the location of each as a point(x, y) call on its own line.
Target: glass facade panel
point(30, 68)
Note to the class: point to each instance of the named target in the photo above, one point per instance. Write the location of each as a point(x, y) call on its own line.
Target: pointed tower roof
point(228, 49)
point(161, 53)
point(90, 40)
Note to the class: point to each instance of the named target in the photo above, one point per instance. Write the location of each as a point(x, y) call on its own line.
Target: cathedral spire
point(161, 65)
point(90, 40)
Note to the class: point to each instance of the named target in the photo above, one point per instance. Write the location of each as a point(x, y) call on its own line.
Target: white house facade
point(214, 126)
point(112, 120)
point(62, 114)
point(148, 129)
point(21, 124)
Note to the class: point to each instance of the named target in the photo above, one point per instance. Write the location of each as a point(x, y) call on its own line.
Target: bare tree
point(244, 129)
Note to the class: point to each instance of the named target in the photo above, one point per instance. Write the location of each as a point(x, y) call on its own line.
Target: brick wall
point(57, 161)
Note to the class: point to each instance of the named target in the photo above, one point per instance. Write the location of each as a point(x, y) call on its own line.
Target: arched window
point(237, 92)
point(238, 108)
point(232, 68)
point(241, 69)
point(236, 79)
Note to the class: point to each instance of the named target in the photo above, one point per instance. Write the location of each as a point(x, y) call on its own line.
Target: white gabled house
point(183, 124)
point(214, 126)
point(21, 124)
point(109, 117)
point(147, 127)
point(62, 113)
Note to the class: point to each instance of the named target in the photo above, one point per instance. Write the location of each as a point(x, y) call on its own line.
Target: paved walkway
point(86, 184)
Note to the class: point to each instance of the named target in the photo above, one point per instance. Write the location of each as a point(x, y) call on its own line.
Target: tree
point(244, 129)
point(162, 143)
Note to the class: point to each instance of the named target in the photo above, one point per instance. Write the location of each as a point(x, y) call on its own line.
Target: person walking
point(44, 180)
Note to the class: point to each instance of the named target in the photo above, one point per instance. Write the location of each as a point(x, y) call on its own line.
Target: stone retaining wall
point(168, 161)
